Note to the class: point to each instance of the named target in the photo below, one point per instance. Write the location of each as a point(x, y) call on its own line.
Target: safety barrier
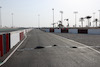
point(83, 31)
point(73, 31)
point(64, 30)
point(1, 45)
point(21, 36)
point(9, 40)
point(57, 30)
point(15, 38)
point(93, 31)
point(47, 30)
point(4, 43)
point(51, 29)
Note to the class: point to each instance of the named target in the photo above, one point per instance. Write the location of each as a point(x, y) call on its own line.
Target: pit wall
point(9, 40)
point(74, 31)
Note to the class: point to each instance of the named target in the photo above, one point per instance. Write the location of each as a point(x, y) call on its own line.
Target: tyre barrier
point(94, 31)
point(73, 31)
point(83, 31)
point(57, 30)
point(9, 40)
point(47, 30)
point(51, 29)
point(64, 30)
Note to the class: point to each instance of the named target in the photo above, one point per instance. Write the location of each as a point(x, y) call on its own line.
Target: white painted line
point(85, 45)
point(48, 46)
point(12, 52)
point(80, 43)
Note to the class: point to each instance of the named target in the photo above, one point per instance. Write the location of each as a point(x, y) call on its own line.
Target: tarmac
point(42, 49)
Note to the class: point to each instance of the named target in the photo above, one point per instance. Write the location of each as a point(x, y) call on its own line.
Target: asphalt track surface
point(90, 40)
point(63, 54)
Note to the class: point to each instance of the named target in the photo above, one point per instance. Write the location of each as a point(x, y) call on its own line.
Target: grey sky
point(26, 11)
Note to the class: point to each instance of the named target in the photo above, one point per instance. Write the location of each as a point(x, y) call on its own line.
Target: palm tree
point(96, 20)
point(60, 24)
point(82, 19)
point(88, 18)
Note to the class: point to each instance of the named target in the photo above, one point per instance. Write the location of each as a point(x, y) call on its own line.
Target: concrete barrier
point(9, 40)
point(93, 31)
point(1, 45)
point(47, 30)
point(57, 30)
point(15, 38)
point(21, 35)
point(4, 44)
point(64, 30)
point(83, 31)
point(51, 29)
point(74, 31)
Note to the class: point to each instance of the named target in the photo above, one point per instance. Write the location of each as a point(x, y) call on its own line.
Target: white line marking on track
point(13, 52)
point(85, 45)
point(81, 44)
point(48, 46)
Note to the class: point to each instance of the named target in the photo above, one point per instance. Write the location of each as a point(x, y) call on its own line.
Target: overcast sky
point(26, 11)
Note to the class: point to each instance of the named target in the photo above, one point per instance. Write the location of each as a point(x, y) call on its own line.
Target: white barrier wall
point(15, 38)
point(74, 31)
point(93, 31)
point(57, 30)
point(47, 30)
point(24, 32)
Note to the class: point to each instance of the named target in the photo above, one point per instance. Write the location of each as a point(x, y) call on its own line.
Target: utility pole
point(38, 20)
point(99, 18)
point(12, 19)
point(53, 16)
point(61, 16)
point(75, 18)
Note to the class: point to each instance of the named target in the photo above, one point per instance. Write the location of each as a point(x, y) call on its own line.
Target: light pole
point(53, 16)
point(38, 20)
point(67, 22)
point(93, 18)
point(99, 17)
point(75, 18)
point(12, 19)
point(0, 17)
point(61, 16)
